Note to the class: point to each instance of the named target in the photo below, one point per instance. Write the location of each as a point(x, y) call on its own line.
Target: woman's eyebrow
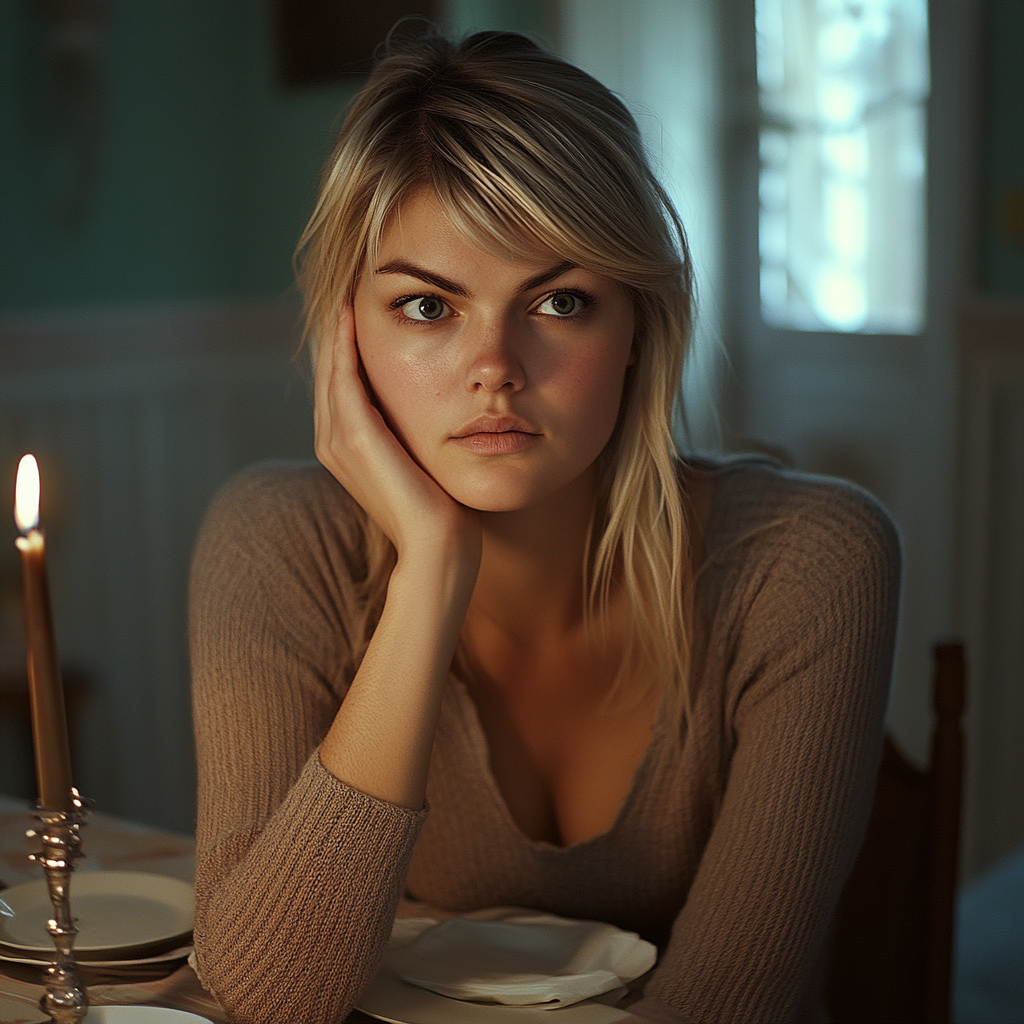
point(546, 275)
point(447, 285)
point(422, 274)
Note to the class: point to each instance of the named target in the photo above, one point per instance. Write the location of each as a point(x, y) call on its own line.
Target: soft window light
point(843, 87)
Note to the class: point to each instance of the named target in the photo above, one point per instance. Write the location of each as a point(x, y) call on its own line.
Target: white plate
point(389, 998)
point(113, 910)
point(140, 1015)
point(521, 958)
point(181, 953)
point(518, 958)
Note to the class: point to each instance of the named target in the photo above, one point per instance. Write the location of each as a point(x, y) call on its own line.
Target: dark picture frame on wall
point(322, 41)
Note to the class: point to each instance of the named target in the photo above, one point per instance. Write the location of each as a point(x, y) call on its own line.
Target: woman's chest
point(635, 872)
point(563, 762)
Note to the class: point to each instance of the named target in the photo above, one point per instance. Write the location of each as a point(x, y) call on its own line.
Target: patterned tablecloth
point(110, 844)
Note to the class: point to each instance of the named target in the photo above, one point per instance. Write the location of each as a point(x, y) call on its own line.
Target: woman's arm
point(296, 873)
point(381, 738)
point(301, 859)
point(810, 659)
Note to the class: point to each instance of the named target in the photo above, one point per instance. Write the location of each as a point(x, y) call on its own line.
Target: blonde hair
point(522, 150)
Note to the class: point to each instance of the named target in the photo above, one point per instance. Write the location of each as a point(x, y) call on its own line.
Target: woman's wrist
point(445, 563)
point(383, 733)
point(442, 574)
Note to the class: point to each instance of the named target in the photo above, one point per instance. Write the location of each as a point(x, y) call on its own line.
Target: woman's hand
point(382, 736)
point(359, 449)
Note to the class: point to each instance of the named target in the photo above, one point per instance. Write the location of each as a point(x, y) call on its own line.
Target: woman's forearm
point(382, 735)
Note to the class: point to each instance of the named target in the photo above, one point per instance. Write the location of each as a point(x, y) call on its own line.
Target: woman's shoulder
point(759, 505)
point(281, 499)
point(282, 514)
point(281, 551)
point(281, 493)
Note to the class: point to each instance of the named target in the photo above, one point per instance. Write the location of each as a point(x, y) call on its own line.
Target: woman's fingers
point(344, 356)
point(354, 443)
point(345, 418)
point(338, 390)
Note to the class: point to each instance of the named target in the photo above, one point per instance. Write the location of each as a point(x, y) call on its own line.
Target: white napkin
point(517, 957)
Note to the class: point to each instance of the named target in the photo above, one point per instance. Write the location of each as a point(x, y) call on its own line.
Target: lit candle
point(46, 693)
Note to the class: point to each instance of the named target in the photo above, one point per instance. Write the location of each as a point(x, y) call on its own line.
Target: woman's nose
point(496, 359)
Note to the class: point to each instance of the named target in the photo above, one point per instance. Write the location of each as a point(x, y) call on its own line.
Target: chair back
point(892, 948)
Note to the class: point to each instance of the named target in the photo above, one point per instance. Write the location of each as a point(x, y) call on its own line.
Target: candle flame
point(26, 494)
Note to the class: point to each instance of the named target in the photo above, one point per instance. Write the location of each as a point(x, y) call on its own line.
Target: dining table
point(114, 844)
point(109, 843)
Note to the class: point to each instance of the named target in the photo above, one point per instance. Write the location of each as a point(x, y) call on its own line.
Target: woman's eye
point(425, 307)
point(561, 304)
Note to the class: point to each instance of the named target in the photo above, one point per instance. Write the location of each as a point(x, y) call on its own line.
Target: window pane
point(843, 87)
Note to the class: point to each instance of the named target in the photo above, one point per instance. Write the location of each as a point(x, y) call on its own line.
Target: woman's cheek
point(591, 392)
point(407, 394)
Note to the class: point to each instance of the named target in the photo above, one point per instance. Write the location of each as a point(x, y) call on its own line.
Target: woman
point(506, 646)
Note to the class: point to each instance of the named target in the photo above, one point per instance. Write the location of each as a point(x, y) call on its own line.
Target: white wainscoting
point(137, 417)
point(991, 572)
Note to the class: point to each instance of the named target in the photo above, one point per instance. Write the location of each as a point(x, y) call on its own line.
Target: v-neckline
point(482, 750)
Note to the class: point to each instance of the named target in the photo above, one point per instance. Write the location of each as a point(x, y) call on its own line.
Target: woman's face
point(502, 378)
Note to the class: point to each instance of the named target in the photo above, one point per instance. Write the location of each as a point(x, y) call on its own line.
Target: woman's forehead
point(422, 222)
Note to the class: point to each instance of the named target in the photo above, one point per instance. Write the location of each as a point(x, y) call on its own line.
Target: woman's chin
point(496, 492)
point(510, 491)
point(494, 501)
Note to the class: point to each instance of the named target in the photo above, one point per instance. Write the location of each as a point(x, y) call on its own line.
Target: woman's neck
point(530, 583)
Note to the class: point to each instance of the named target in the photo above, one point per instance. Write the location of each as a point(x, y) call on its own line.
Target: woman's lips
point(492, 442)
point(492, 434)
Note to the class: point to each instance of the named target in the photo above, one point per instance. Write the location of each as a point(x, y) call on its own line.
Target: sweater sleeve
point(810, 656)
point(297, 875)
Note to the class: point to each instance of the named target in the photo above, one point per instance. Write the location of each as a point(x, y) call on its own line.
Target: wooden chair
point(892, 949)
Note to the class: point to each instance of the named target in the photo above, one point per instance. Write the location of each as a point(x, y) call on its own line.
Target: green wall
point(207, 168)
point(1002, 243)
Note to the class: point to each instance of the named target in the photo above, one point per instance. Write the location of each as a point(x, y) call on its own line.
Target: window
point(843, 86)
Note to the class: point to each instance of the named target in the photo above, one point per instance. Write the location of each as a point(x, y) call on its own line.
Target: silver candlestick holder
point(65, 1000)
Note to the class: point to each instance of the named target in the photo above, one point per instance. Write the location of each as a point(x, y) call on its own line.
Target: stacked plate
point(129, 923)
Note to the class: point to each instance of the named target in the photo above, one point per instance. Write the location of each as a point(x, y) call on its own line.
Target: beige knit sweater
point(729, 852)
